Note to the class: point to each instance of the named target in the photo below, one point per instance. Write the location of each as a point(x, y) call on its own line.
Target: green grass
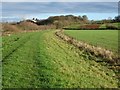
point(104, 38)
point(116, 24)
point(103, 26)
point(75, 25)
point(45, 61)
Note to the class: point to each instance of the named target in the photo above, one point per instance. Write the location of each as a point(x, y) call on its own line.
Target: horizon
point(46, 16)
point(17, 11)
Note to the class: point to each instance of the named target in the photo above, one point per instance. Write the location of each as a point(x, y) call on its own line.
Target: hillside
point(61, 21)
point(23, 26)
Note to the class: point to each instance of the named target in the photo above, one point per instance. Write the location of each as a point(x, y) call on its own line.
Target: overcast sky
point(41, 10)
point(60, 0)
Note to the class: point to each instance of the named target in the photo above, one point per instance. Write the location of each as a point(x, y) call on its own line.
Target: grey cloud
point(29, 8)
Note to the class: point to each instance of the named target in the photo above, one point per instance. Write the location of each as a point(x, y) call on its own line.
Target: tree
point(58, 24)
point(117, 18)
point(80, 17)
point(85, 18)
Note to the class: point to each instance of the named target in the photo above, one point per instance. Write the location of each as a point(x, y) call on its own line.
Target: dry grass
point(25, 25)
point(97, 51)
point(8, 29)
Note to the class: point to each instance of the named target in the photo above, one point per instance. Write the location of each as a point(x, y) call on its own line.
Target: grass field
point(117, 24)
point(41, 59)
point(104, 38)
point(103, 26)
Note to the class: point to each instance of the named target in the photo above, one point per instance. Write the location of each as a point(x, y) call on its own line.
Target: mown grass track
point(11, 44)
point(45, 61)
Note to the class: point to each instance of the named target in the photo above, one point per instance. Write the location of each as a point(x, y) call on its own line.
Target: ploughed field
point(41, 59)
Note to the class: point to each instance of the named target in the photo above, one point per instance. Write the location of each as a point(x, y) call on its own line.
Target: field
point(116, 24)
point(41, 59)
point(107, 39)
point(104, 26)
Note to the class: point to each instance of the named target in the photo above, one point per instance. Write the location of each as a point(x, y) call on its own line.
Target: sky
point(15, 11)
point(60, 0)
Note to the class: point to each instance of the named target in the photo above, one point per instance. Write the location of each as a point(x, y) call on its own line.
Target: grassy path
point(18, 67)
point(46, 61)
